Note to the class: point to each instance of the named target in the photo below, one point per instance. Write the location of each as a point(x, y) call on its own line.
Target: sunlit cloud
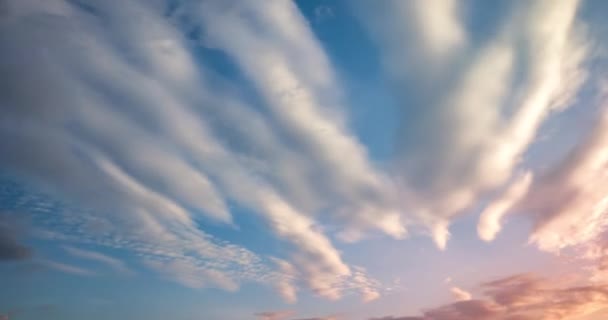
point(460, 295)
point(485, 116)
point(155, 138)
point(176, 167)
point(522, 296)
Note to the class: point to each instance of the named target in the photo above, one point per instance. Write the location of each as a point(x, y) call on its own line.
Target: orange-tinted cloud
point(522, 297)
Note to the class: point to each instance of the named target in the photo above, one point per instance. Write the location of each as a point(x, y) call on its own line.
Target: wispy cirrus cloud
point(476, 116)
point(113, 263)
point(567, 203)
point(142, 141)
point(129, 123)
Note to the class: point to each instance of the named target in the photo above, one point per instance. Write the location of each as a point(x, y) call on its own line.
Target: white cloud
point(436, 25)
point(460, 295)
point(133, 127)
point(490, 220)
point(307, 107)
point(476, 116)
point(130, 125)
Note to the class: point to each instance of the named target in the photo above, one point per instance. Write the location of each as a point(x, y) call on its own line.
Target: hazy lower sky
point(307, 160)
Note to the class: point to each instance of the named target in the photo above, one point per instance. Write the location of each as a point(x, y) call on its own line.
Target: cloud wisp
point(113, 263)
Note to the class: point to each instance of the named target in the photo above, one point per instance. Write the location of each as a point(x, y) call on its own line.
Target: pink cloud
point(522, 297)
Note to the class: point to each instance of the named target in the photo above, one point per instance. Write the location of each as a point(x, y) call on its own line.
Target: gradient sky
point(308, 160)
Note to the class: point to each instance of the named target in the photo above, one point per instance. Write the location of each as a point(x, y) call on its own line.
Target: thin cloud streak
point(111, 262)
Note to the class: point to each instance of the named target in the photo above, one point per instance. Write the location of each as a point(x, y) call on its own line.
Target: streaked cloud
point(567, 203)
point(130, 124)
point(126, 134)
point(475, 117)
point(111, 262)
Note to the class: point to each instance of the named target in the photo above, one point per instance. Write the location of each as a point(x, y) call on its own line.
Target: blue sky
point(307, 160)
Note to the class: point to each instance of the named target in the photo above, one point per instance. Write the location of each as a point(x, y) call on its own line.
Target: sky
point(307, 160)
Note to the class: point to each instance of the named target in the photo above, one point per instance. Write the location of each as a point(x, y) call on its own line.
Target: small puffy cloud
point(459, 294)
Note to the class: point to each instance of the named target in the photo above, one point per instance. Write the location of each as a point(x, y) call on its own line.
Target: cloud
point(522, 297)
point(398, 318)
point(435, 26)
point(10, 247)
point(274, 315)
point(285, 315)
point(570, 202)
point(143, 139)
point(65, 268)
point(285, 284)
point(490, 219)
point(320, 318)
point(460, 295)
point(192, 275)
point(567, 203)
point(475, 116)
point(113, 263)
point(368, 288)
